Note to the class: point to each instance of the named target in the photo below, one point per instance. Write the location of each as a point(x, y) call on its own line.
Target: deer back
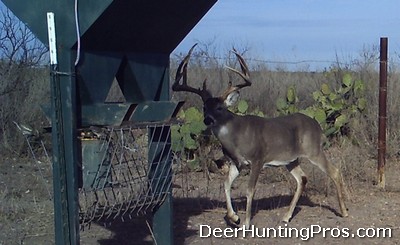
point(251, 138)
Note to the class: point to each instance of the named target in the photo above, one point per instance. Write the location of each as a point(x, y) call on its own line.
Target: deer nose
point(208, 121)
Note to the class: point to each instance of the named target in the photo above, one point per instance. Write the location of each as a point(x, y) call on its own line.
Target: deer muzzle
point(209, 121)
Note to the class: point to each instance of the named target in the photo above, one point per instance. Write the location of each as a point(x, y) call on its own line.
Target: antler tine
point(245, 74)
point(245, 69)
point(182, 72)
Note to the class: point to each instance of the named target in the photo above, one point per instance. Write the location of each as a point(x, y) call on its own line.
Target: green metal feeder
point(128, 43)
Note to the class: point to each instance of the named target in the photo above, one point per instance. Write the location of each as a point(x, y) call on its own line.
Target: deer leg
point(301, 180)
point(335, 175)
point(254, 173)
point(231, 216)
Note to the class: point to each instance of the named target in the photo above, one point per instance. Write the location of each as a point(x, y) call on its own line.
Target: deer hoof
point(232, 221)
point(237, 222)
point(286, 219)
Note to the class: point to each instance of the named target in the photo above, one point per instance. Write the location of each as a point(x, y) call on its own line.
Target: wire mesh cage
point(126, 171)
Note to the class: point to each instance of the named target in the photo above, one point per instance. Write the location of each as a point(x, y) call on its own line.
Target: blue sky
point(296, 30)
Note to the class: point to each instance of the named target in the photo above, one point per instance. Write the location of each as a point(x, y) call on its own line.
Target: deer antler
point(182, 73)
point(244, 74)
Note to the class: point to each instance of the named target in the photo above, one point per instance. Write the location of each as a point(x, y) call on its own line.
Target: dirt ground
point(26, 210)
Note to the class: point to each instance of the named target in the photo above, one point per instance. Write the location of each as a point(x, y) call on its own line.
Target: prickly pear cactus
point(185, 136)
point(288, 105)
point(332, 108)
point(242, 108)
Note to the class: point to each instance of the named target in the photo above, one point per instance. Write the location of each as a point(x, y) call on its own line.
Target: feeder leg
point(163, 223)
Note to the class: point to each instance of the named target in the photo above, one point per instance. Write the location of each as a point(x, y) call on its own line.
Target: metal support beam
point(64, 142)
point(160, 178)
point(163, 222)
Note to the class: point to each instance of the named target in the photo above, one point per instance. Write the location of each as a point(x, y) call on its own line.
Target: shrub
point(334, 109)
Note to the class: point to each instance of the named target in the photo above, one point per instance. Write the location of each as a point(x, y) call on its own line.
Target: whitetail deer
point(260, 142)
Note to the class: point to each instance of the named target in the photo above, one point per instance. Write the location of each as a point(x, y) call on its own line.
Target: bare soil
point(26, 210)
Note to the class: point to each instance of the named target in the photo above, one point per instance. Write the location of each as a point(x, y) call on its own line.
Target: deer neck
point(225, 127)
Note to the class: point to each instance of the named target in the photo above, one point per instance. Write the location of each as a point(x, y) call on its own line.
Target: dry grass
point(26, 210)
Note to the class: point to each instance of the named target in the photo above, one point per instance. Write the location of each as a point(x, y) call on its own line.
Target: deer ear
point(232, 98)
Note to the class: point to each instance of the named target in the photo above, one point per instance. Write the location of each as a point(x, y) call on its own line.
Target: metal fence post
point(382, 110)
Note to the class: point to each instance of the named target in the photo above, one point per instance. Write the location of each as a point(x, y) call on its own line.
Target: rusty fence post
point(382, 111)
